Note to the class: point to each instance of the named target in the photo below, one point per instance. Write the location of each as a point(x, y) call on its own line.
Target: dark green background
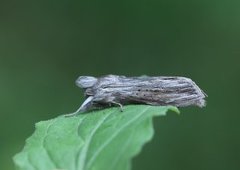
point(46, 45)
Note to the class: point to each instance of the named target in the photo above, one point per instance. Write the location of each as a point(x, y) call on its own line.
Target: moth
point(111, 90)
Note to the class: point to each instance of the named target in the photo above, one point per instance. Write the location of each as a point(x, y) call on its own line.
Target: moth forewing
point(118, 90)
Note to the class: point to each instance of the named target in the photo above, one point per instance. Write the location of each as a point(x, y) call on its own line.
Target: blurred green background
point(46, 45)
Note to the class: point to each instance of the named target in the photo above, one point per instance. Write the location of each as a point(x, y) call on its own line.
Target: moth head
point(86, 81)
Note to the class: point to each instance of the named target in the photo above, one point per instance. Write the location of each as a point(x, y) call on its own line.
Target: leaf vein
point(97, 152)
point(44, 144)
point(84, 152)
point(121, 152)
point(78, 153)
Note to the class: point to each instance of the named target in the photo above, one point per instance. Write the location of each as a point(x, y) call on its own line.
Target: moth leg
point(119, 104)
point(86, 104)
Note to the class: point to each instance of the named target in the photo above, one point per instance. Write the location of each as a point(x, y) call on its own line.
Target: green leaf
point(100, 140)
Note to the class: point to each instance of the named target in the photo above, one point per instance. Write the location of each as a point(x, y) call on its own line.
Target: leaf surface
point(100, 140)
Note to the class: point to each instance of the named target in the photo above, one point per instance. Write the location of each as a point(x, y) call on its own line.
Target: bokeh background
point(46, 45)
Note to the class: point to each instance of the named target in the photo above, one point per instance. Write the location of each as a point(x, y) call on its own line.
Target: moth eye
point(139, 89)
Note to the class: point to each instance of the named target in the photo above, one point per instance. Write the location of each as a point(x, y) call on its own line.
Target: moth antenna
point(82, 108)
